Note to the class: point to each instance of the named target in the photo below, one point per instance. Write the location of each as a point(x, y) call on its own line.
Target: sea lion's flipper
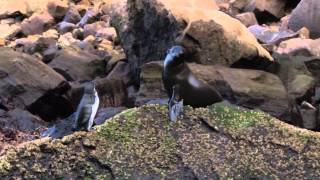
point(175, 105)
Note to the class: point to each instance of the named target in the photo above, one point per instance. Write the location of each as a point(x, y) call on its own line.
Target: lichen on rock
point(219, 141)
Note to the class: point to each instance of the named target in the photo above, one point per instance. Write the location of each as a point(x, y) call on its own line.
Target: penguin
point(87, 108)
point(182, 86)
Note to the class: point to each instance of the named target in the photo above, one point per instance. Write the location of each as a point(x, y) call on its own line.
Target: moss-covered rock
point(220, 141)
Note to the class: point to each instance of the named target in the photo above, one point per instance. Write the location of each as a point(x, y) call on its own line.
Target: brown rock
point(248, 18)
point(78, 65)
point(153, 26)
point(9, 31)
point(28, 83)
point(8, 8)
point(267, 10)
point(58, 9)
point(251, 88)
point(151, 85)
point(37, 23)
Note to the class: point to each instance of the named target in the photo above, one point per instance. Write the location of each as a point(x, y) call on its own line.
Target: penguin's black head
point(89, 88)
point(174, 56)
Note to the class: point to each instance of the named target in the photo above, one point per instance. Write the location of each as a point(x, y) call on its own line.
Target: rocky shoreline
point(260, 55)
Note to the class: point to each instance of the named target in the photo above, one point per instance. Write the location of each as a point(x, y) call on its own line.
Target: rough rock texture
point(250, 88)
point(295, 76)
point(306, 14)
point(78, 65)
point(216, 142)
point(154, 26)
point(267, 10)
point(24, 79)
point(37, 23)
point(151, 86)
point(25, 7)
point(247, 19)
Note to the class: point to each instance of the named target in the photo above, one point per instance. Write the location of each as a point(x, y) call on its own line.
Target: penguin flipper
point(175, 105)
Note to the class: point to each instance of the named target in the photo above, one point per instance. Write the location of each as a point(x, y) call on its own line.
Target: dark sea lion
point(182, 86)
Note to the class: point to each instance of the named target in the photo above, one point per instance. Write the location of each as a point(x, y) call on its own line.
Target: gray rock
point(72, 16)
point(306, 14)
point(65, 27)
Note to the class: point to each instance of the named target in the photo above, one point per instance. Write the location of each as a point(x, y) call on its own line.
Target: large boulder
point(147, 29)
point(25, 82)
point(306, 14)
point(78, 65)
point(248, 88)
point(218, 142)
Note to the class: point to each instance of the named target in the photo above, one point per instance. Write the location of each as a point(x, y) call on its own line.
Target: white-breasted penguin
point(182, 86)
point(87, 108)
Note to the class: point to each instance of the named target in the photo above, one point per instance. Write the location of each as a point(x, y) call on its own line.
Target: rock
point(295, 76)
point(36, 44)
point(51, 33)
point(78, 33)
point(9, 8)
point(23, 121)
point(295, 47)
point(28, 43)
point(248, 19)
point(300, 47)
point(9, 31)
point(313, 65)
point(58, 9)
point(121, 71)
point(309, 116)
point(151, 85)
point(26, 82)
point(140, 143)
point(267, 10)
point(78, 65)
point(100, 29)
point(37, 23)
point(89, 17)
point(72, 15)
point(65, 27)
point(107, 113)
point(305, 15)
point(60, 129)
point(251, 88)
point(239, 5)
point(67, 40)
point(213, 36)
point(269, 36)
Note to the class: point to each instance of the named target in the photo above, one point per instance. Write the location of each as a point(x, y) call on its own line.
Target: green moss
point(119, 130)
point(236, 118)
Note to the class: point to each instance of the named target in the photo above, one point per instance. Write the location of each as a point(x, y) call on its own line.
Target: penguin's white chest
point(95, 106)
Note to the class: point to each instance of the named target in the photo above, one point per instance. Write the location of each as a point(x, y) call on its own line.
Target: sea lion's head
point(174, 56)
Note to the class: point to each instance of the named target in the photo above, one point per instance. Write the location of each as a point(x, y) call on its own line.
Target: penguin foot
point(175, 108)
